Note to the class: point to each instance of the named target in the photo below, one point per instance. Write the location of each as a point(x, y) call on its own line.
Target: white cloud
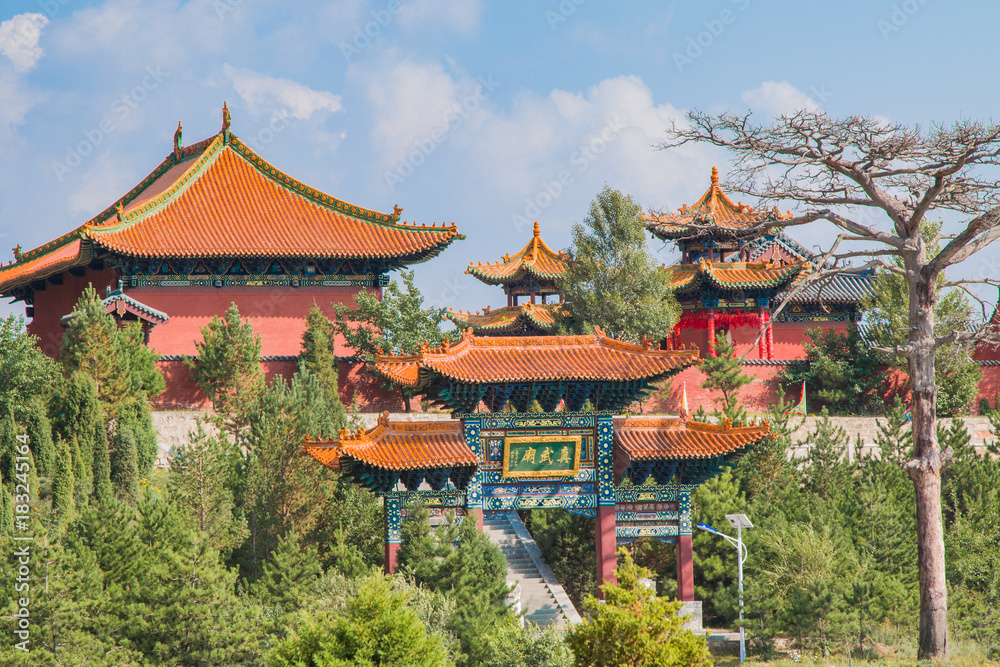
point(107, 179)
point(281, 97)
point(778, 98)
point(460, 15)
point(19, 40)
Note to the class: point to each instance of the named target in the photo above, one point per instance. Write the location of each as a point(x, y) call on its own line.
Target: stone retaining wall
point(175, 425)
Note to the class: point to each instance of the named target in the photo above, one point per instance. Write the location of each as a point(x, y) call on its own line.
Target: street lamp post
point(739, 521)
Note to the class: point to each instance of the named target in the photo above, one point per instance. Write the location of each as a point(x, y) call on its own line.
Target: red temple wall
point(276, 313)
point(788, 338)
point(55, 301)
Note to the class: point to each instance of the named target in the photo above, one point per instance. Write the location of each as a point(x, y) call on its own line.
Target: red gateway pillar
point(607, 544)
point(711, 332)
point(761, 342)
point(685, 569)
point(770, 334)
point(391, 557)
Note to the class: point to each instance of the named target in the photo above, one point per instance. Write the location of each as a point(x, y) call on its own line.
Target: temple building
point(216, 224)
point(734, 271)
point(633, 475)
point(528, 278)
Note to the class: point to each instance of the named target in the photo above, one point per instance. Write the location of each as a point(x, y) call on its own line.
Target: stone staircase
point(537, 592)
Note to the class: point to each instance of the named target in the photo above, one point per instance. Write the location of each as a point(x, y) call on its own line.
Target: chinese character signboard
point(541, 456)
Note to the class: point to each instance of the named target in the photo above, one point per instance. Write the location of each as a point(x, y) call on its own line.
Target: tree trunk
point(925, 471)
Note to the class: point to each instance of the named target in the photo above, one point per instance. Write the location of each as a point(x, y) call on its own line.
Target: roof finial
point(119, 209)
point(715, 176)
point(537, 230)
point(227, 118)
point(177, 141)
point(396, 210)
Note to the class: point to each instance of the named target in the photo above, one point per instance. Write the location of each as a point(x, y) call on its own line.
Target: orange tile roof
point(397, 445)
point(74, 253)
point(734, 275)
point(510, 318)
point(218, 198)
point(675, 438)
point(535, 258)
point(714, 208)
point(535, 358)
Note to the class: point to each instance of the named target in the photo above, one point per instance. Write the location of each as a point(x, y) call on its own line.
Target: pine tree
point(93, 344)
point(136, 414)
point(39, 430)
point(289, 578)
point(828, 445)
point(319, 360)
point(632, 626)
point(199, 482)
point(125, 461)
point(715, 559)
point(724, 373)
point(6, 509)
point(63, 480)
point(227, 368)
point(103, 492)
point(613, 282)
point(79, 418)
point(377, 628)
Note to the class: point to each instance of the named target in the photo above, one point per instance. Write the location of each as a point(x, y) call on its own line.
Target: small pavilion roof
point(121, 303)
point(218, 198)
point(536, 259)
point(715, 208)
point(734, 275)
point(484, 360)
point(396, 445)
point(510, 318)
point(665, 442)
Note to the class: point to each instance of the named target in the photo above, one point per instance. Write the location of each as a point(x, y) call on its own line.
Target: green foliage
point(134, 418)
point(397, 324)
point(895, 438)
point(277, 488)
point(63, 480)
point(840, 371)
point(125, 461)
point(318, 359)
point(634, 627)
point(956, 373)
point(714, 558)
point(613, 282)
point(95, 345)
point(724, 373)
point(567, 542)
point(510, 645)
point(79, 419)
point(199, 484)
point(39, 431)
point(289, 577)
point(827, 446)
point(462, 563)
point(25, 371)
point(227, 368)
point(377, 628)
point(103, 491)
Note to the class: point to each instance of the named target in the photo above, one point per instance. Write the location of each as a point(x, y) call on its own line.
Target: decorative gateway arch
point(633, 475)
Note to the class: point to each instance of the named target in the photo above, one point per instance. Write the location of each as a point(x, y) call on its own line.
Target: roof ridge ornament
point(715, 177)
point(178, 135)
point(227, 119)
point(537, 230)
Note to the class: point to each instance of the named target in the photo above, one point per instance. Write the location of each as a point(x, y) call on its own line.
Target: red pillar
point(761, 343)
point(607, 544)
point(685, 569)
point(711, 332)
point(477, 516)
point(770, 335)
point(391, 556)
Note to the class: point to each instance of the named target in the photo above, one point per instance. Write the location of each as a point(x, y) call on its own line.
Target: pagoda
point(215, 224)
point(633, 475)
point(528, 278)
point(735, 269)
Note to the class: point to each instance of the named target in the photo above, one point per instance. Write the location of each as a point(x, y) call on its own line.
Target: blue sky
point(488, 114)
